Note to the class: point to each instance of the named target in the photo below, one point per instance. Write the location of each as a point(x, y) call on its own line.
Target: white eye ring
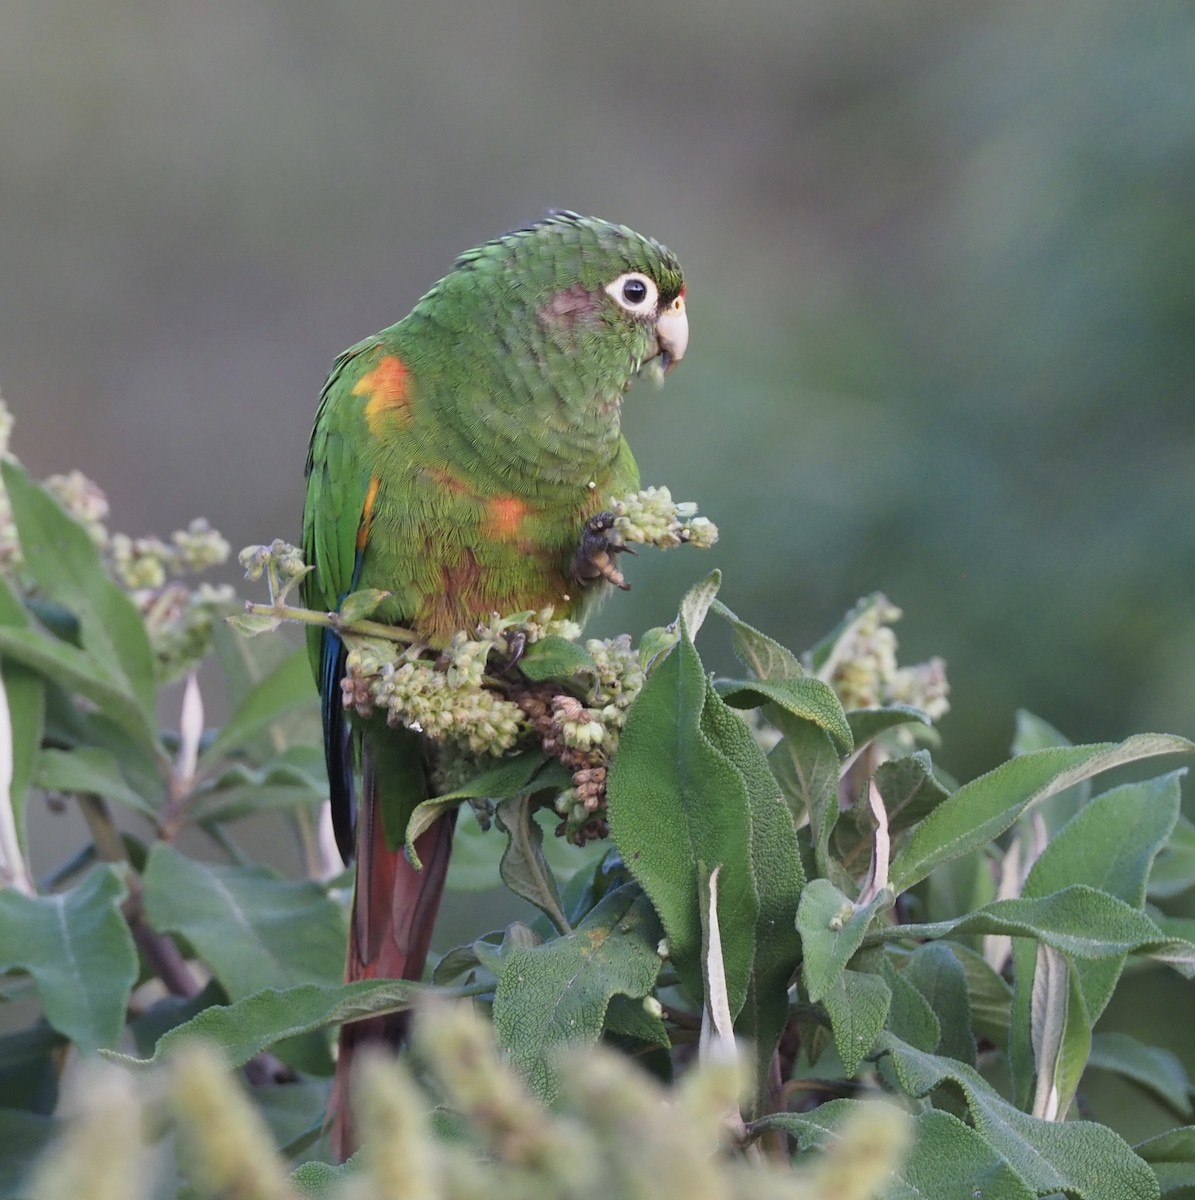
point(635, 292)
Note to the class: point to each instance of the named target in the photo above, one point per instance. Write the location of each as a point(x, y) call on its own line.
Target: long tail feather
point(394, 911)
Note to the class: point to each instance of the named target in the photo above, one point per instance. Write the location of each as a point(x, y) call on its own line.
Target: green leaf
point(1156, 1070)
point(287, 687)
point(910, 1017)
point(1033, 733)
point(256, 1022)
point(857, 1004)
point(629, 1018)
point(868, 723)
point(778, 878)
point(765, 658)
point(1109, 844)
point(74, 669)
point(64, 560)
point(1061, 1034)
point(359, 606)
point(79, 951)
point(806, 767)
point(938, 975)
point(224, 805)
point(1174, 869)
point(807, 697)
point(523, 867)
point(989, 993)
point(832, 928)
point(249, 624)
point(1171, 1156)
point(1085, 1160)
point(90, 769)
point(510, 777)
point(322, 1181)
point(655, 643)
point(1078, 920)
point(909, 789)
point(558, 993)
point(252, 929)
point(987, 806)
point(675, 801)
point(554, 657)
point(697, 600)
point(947, 1160)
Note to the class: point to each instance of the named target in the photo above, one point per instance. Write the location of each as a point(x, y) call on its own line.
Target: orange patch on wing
point(389, 391)
point(367, 512)
point(504, 517)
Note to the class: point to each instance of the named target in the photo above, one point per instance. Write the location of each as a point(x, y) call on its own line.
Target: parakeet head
point(573, 292)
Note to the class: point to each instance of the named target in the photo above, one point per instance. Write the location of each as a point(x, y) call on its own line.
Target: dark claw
point(594, 558)
point(516, 644)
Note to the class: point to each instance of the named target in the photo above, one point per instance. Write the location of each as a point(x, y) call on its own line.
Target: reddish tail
point(394, 911)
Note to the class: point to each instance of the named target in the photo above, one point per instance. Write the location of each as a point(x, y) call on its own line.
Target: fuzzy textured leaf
point(558, 993)
point(1085, 1160)
point(857, 1004)
point(1079, 921)
point(938, 975)
point(554, 657)
point(947, 1160)
point(987, 806)
point(832, 928)
point(808, 698)
point(868, 723)
point(508, 778)
point(675, 800)
point(777, 876)
point(258, 1021)
point(523, 867)
point(764, 657)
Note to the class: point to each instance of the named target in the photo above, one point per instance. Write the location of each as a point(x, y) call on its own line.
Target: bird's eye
point(634, 291)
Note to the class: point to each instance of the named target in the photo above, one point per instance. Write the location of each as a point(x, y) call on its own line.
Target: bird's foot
point(595, 557)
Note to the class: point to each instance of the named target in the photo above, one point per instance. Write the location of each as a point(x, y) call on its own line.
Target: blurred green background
point(941, 262)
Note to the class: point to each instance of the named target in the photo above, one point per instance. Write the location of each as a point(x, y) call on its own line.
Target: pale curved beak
point(672, 332)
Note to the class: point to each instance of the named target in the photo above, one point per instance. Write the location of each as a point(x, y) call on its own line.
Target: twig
point(331, 620)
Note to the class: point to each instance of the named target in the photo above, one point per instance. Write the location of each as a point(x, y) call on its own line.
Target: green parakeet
point(460, 461)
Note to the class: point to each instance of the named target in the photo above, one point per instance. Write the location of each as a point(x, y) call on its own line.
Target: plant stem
point(307, 616)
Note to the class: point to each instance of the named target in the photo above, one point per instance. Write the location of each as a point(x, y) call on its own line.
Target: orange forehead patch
point(504, 517)
point(388, 388)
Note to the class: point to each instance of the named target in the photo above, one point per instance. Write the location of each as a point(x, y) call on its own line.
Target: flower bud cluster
point(418, 694)
point(147, 562)
point(863, 670)
point(181, 622)
point(281, 563)
point(651, 517)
